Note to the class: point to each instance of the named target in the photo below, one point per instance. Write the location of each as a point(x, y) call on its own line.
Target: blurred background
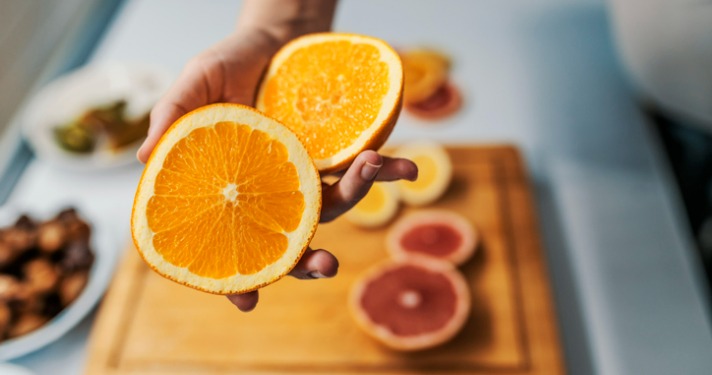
point(609, 103)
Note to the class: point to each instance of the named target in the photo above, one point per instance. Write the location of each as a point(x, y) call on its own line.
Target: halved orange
point(228, 201)
point(340, 93)
point(425, 71)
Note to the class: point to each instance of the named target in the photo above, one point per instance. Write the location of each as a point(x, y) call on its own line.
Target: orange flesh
point(328, 94)
point(239, 183)
point(424, 72)
point(414, 73)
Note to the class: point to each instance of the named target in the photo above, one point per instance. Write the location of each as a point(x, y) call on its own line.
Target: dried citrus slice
point(434, 173)
point(228, 201)
point(412, 304)
point(340, 93)
point(424, 72)
point(433, 234)
point(377, 208)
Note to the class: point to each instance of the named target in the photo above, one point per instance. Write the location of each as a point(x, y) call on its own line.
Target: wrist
point(283, 20)
point(260, 39)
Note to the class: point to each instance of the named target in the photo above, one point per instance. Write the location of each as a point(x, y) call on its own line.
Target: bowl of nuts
point(53, 270)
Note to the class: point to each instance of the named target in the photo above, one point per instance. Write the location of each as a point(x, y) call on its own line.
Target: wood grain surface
point(149, 325)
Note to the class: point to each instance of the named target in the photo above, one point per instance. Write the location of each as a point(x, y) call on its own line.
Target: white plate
point(69, 96)
point(105, 250)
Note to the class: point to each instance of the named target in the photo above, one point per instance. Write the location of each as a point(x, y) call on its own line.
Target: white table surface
point(542, 74)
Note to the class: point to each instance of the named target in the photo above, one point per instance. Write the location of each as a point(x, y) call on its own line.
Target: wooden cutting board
point(149, 325)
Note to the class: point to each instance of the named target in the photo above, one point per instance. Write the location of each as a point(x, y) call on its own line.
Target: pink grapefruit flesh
point(412, 304)
point(445, 102)
point(432, 233)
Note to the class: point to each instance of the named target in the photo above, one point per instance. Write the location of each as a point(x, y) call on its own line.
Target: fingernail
point(369, 171)
point(316, 275)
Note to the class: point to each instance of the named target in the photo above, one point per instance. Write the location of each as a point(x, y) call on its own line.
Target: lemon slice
point(434, 173)
point(377, 208)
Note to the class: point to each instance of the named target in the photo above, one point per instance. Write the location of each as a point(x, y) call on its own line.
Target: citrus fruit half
point(228, 201)
point(424, 72)
point(340, 93)
point(432, 233)
point(434, 172)
point(411, 304)
point(377, 208)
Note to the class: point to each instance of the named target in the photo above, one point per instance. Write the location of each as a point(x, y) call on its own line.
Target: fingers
point(162, 116)
point(353, 186)
point(245, 302)
point(228, 71)
point(199, 84)
point(397, 169)
point(368, 167)
point(316, 264)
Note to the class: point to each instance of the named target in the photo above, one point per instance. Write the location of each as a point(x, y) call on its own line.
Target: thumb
point(199, 83)
point(162, 116)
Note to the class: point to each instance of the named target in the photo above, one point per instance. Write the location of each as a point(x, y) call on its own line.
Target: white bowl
point(105, 249)
point(10, 369)
point(71, 95)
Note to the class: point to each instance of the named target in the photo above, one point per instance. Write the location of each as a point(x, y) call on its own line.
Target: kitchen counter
point(541, 74)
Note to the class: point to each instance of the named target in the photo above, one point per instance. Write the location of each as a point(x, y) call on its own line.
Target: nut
point(10, 288)
point(51, 236)
point(26, 323)
point(40, 276)
point(5, 317)
point(72, 286)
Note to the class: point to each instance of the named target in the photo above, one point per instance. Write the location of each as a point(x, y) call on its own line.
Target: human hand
point(230, 72)
point(338, 198)
point(227, 72)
